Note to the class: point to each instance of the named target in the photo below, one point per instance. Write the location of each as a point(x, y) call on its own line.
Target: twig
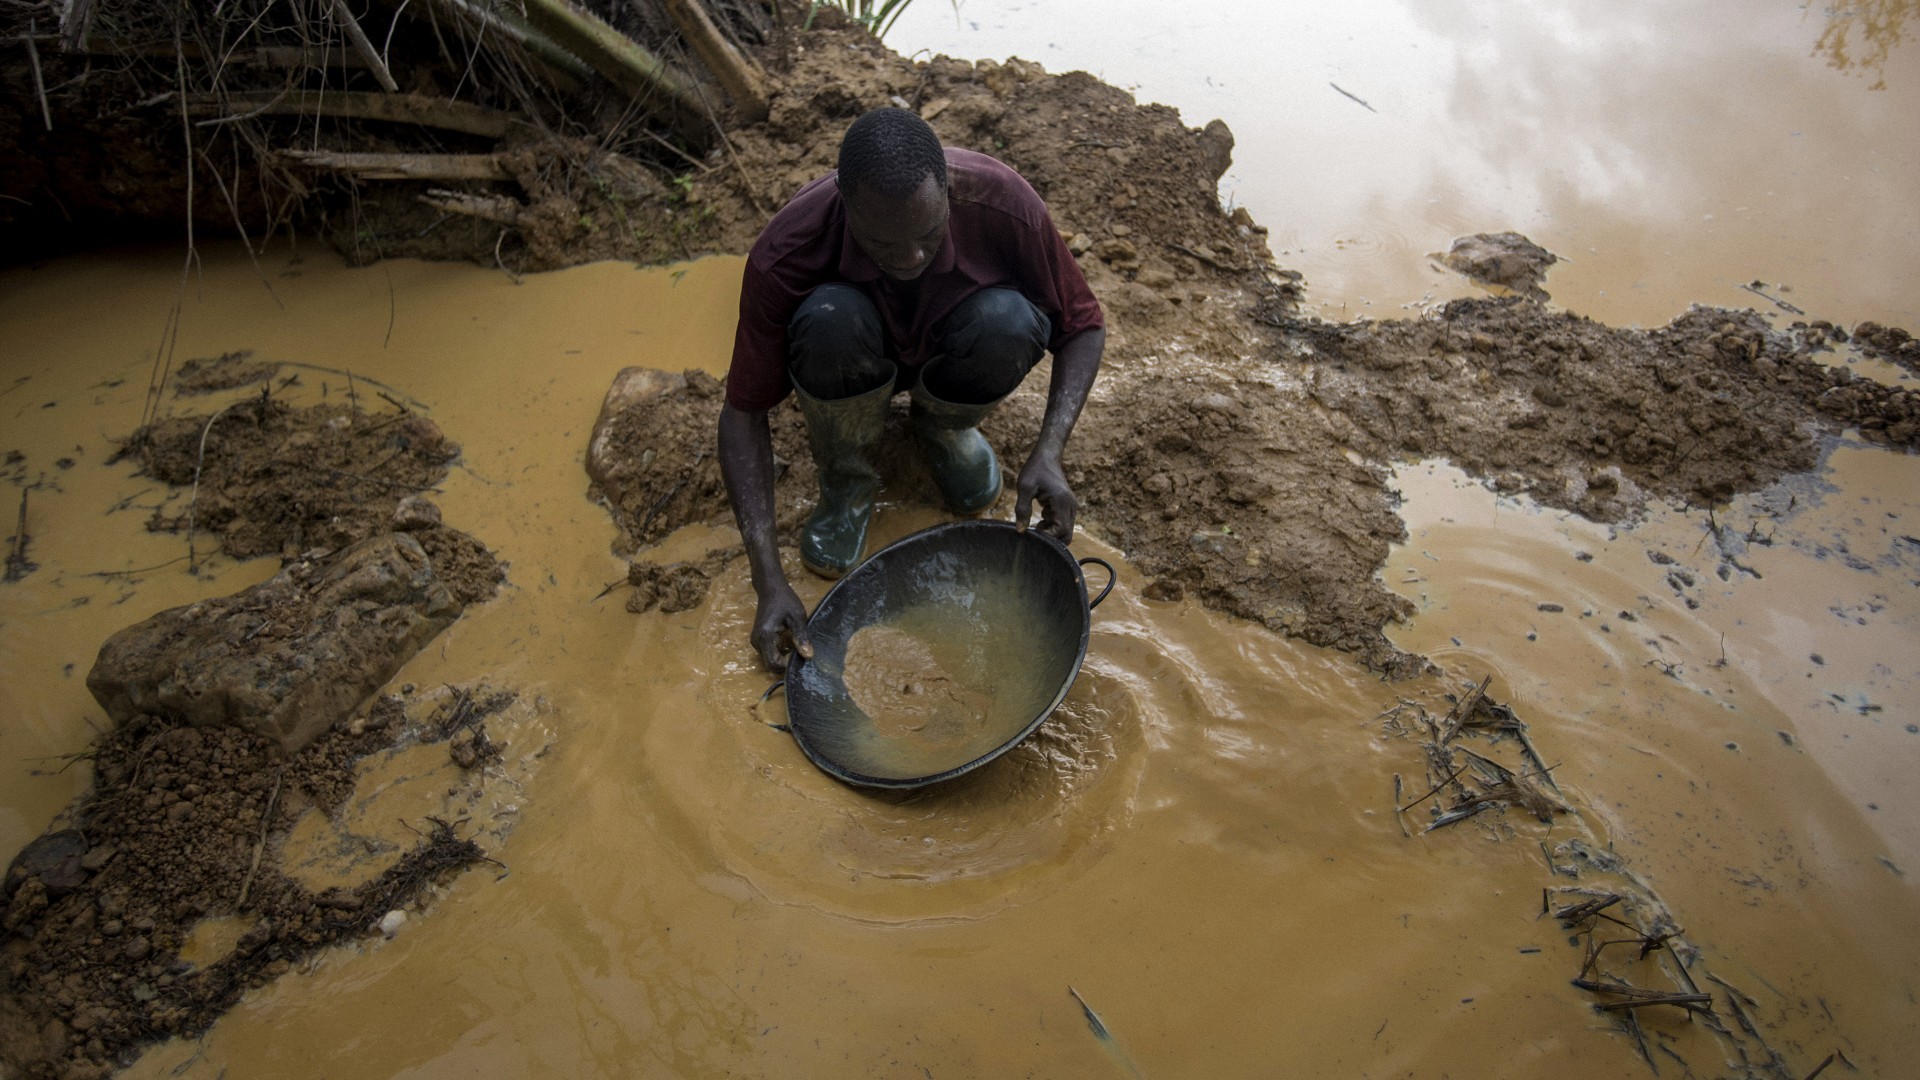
point(1228, 267)
point(1363, 104)
point(684, 156)
point(1776, 301)
point(200, 459)
point(1436, 790)
point(497, 241)
point(39, 84)
point(417, 403)
point(1820, 1068)
point(18, 565)
point(364, 47)
point(131, 573)
point(1689, 1002)
point(1455, 817)
point(746, 178)
point(266, 820)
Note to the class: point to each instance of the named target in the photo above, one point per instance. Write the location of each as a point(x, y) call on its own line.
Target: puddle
point(1632, 139)
point(211, 940)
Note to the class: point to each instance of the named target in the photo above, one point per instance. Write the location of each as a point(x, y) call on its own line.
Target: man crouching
point(912, 268)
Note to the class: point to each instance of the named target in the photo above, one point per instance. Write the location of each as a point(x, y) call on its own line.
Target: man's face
point(901, 235)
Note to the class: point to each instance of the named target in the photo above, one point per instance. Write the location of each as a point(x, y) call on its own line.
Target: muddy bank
point(1258, 485)
point(235, 717)
point(183, 836)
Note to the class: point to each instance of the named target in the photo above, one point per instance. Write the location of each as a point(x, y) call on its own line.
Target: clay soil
point(1238, 452)
point(185, 824)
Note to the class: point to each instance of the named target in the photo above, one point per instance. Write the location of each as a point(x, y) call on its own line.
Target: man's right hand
point(780, 627)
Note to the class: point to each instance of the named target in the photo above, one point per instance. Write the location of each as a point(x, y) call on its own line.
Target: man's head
point(893, 179)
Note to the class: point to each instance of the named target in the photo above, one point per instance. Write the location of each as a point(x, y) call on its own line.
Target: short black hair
point(890, 152)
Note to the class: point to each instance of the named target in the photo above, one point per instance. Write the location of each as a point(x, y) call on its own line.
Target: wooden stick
point(1209, 260)
point(364, 47)
point(506, 23)
point(372, 166)
point(417, 109)
point(742, 78)
point(266, 820)
point(619, 59)
point(498, 209)
point(39, 84)
point(1435, 791)
point(17, 564)
point(74, 24)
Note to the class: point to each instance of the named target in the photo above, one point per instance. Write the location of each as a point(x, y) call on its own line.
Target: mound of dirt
point(268, 478)
point(1589, 417)
point(185, 825)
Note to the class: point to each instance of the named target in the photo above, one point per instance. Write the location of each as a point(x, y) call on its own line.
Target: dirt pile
point(185, 826)
point(1589, 417)
point(267, 478)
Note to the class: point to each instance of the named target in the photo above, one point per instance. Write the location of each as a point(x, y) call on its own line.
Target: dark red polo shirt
point(998, 236)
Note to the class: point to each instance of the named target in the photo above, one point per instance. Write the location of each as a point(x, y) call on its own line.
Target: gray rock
point(1508, 260)
point(289, 657)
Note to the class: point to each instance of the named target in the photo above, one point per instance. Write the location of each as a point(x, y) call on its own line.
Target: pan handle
point(1111, 578)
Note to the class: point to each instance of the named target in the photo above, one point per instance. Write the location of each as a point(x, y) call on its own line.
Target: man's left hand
point(1043, 477)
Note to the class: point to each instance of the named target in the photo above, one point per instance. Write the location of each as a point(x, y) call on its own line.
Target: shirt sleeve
point(757, 377)
point(1051, 277)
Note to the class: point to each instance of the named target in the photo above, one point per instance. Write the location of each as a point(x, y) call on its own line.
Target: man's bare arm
point(1074, 368)
point(746, 464)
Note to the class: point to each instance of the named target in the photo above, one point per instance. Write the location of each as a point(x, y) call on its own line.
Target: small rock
point(392, 921)
point(1164, 589)
point(138, 948)
point(463, 753)
point(1118, 252)
point(415, 513)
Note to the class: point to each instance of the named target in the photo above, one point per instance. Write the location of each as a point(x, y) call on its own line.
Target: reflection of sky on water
point(1671, 150)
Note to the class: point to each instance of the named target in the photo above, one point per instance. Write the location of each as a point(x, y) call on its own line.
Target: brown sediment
point(911, 687)
point(185, 826)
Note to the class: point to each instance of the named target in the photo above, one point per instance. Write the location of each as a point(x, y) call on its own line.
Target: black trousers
point(982, 349)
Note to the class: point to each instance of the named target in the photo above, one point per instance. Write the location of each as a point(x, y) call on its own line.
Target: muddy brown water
point(1202, 842)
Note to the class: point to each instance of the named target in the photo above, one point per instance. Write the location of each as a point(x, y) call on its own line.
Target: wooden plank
point(741, 77)
point(619, 59)
point(417, 109)
point(402, 166)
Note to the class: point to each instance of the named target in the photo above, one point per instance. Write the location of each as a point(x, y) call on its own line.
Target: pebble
point(392, 921)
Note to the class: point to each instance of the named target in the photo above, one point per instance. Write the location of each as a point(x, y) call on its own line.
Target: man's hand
point(1042, 476)
point(780, 627)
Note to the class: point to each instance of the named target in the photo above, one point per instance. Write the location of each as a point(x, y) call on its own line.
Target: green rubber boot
point(842, 434)
point(960, 457)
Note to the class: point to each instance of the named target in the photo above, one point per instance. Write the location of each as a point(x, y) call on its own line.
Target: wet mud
point(184, 826)
point(914, 687)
